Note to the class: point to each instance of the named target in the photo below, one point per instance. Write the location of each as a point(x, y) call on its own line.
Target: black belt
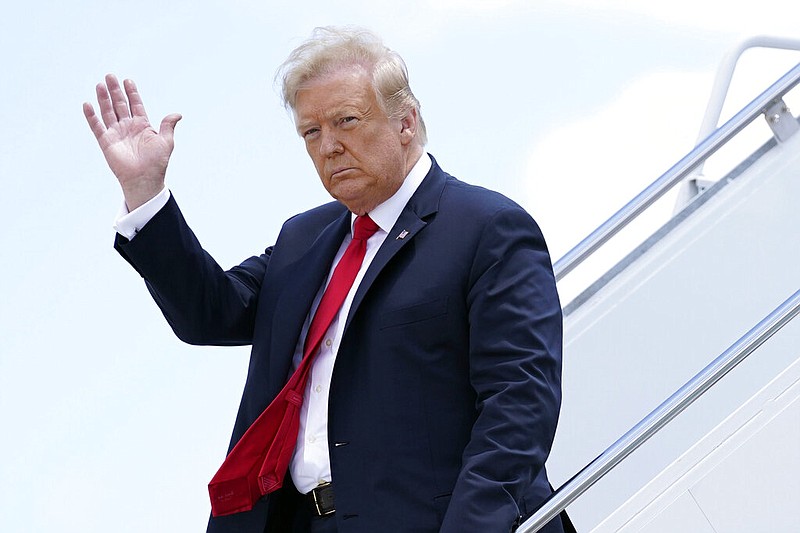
point(320, 500)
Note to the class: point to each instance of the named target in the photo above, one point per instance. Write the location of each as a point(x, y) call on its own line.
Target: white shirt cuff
point(129, 223)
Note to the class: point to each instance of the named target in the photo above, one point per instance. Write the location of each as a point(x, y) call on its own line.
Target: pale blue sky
point(109, 422)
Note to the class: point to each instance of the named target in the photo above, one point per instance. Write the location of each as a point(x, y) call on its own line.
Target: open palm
point(137, 154)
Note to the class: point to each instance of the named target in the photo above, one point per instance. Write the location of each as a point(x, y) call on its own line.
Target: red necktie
point(258, 463)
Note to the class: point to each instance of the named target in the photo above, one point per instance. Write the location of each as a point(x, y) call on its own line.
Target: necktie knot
point(364, 228)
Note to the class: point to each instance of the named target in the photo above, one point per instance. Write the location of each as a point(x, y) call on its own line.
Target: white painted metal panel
point(743, 476)
point(661, 320)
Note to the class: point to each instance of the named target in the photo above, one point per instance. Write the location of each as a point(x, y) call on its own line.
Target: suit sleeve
point(202, 303)
point(515, 369)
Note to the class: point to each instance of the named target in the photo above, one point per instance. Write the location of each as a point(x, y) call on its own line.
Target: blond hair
point(330, 48)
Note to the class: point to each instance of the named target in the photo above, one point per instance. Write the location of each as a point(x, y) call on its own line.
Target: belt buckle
point(318, 504)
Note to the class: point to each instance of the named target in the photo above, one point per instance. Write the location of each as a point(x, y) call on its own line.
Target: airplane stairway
point(731, 256)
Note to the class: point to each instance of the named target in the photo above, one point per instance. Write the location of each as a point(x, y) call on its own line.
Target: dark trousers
point(290, 511)
point(323, 524)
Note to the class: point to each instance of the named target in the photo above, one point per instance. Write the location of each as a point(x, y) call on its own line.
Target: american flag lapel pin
point(402, 235)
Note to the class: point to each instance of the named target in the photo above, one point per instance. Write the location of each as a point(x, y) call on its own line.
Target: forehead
point(321, 96)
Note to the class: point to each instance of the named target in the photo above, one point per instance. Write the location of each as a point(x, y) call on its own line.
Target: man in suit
point(433, 397)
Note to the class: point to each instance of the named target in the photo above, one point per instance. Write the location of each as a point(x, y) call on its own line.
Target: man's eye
point(348, 120)
point(309, 132)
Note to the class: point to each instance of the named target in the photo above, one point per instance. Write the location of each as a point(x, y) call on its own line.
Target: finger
point(94, 122)
point(106, 108)
point(135, 100)
point(167, 128)
point(118, 99)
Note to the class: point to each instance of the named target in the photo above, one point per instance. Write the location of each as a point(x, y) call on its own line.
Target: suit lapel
point(305, 276)
point(412, 220)
point(301, 284)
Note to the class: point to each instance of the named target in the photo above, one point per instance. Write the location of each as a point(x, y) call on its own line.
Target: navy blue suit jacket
point(446, 388)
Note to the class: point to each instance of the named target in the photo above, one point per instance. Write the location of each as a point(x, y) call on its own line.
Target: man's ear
point(408, 126)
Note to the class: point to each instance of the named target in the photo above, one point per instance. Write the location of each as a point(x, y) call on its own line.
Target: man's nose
point(329, 143)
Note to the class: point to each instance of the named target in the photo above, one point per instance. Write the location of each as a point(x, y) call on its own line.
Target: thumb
point(167, 128)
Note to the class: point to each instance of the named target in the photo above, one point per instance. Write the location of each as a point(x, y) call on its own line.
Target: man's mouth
point(340, 172)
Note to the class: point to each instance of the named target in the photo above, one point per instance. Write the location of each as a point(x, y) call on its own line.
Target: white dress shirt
point(128, 224)
point(310, 464)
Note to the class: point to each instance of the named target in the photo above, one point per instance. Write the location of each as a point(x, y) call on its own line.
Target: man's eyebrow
point(302, 126)
point(346, 109)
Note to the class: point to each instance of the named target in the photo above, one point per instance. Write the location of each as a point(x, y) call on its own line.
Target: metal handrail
point(722, 81)
point(663, 414)
point(676, 174)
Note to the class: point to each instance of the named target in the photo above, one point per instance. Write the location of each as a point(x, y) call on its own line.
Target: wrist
point(136, 196)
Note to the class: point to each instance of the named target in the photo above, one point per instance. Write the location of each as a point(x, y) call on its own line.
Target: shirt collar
point(387, 213)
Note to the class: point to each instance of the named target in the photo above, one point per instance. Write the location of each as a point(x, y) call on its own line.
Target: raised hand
point(136, 153)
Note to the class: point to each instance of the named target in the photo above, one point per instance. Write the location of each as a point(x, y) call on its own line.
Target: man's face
point(361, 155)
